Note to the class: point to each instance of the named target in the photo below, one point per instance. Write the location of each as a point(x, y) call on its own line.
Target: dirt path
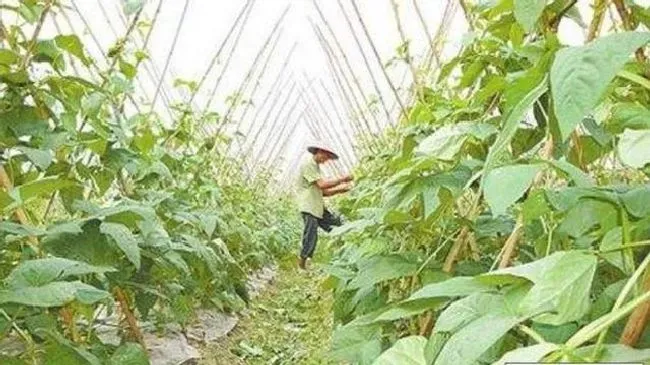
point(289, 323)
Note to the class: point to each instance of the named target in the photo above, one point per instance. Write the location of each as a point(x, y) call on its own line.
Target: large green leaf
point(628, 116)
point(504, 185)
point(382, 268)
point(587, 214)
point(73, 45)
point(124, 239)
point(356, 344)
point(447, 141)
point(580, 75)
point(527, 354)
point(409, 308)
point(612, 240)
point(534, 89)
point(54, 294)
point(527, 12)
point(466, 310)
point(634, 148)
point(43, 187)
point(406, 351)
point(455, 287)
point(562, 286)
point(467, 345)
point(637, 201)
point(43, 271)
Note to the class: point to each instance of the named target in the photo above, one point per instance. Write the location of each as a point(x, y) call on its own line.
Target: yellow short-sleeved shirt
point(310, 197)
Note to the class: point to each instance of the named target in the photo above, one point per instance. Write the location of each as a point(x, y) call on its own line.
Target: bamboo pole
point(378, 58)
point(226, 65)
point(244, 82)
point(267, 117)
point(179, 27)
point(317, 122)
point(346, 82)
point(272, 147)
point(347, 105)
point(346, 61)
point(407, 59)
point(274, 131)
point(251, 150)
point(282, 141)
point(269, 94)
point(152, 75)
point(366, 62)
point(313, 100)
point(335, 108)
point(256, 86)
point(152, 78)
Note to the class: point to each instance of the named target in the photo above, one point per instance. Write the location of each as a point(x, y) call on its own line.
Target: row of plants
point(507, 219)
point(105, 212)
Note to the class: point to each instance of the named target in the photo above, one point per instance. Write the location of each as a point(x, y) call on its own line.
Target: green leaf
point(124, 239)
point(527, 354)
point(527, 12)
point(129, 354)
point(73, 45)
point(580, 75)
point(409, 308)
point(42, 159)
point(43, 187)
point(455, 287)
point(382, 268)
point(587, 214)
point(43, 271)
point(467, 345)
point(637, 201)
point(504, 185)
point(356, 344)
point(55, 294)
point(628, 116)
point(535, 88)
point(406, 351)
point(612, 240)
point(21, 230)
point(634, 148)
point(466, 310)
point(8, 57)
point(132, 6)
point(447, 141)
point(562, 285)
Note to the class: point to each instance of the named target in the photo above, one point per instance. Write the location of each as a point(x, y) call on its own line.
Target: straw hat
point(312, 148)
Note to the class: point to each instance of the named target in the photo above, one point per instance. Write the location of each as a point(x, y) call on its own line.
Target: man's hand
point(339, 189)
point(347, 178)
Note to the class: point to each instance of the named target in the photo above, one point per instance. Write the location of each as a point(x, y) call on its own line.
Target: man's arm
point(329, 184)
point(337, 190)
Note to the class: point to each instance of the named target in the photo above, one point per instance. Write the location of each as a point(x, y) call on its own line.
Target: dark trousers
point(310, 233)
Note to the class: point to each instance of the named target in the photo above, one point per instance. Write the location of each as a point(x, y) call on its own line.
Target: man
point(311, 190)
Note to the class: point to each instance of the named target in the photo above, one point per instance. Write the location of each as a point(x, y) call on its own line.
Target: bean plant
point(507, 217)
point(105, 211)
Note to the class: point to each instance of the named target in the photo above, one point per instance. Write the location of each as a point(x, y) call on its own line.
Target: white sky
point(207, 22)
